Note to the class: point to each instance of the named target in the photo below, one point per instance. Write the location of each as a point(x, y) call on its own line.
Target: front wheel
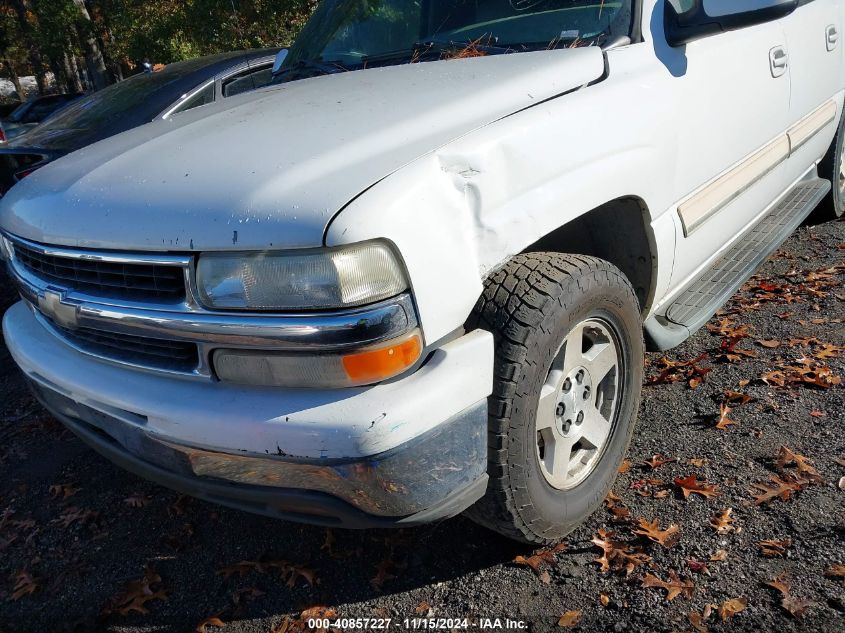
point(568, 376)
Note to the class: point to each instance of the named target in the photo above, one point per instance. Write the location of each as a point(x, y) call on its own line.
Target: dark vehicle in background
point(138, 100)
point(29, 114)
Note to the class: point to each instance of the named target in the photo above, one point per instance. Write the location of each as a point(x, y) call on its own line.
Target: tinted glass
point(248, 81)
point(203, 97)
point(131, 95)
point(347, 31)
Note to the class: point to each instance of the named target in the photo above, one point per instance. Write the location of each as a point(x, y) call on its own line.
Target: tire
point(532, 306)
point(832, 167)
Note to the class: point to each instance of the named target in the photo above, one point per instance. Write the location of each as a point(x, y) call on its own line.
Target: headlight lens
point(300, 280)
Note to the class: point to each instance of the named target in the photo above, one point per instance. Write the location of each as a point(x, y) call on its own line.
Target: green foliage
point(170, 30)
point(129, 31)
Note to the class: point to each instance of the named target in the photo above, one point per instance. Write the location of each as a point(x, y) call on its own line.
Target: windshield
point(353, 33)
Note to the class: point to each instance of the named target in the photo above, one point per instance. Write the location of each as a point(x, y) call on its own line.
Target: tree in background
point(88, 44)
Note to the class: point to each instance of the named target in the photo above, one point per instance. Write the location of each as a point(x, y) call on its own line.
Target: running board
point(708, 292)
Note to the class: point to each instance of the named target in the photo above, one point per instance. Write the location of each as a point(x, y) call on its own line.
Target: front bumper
point(400, 453)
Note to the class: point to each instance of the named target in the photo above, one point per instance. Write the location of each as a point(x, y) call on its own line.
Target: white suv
point(412, 277)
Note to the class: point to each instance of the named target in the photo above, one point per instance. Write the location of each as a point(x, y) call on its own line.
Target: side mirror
point(281, 56)
point(708, 17)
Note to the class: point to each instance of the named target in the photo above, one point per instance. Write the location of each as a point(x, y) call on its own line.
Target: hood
point(270, 169)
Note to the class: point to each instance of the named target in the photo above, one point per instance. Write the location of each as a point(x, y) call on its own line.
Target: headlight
point(299, 280)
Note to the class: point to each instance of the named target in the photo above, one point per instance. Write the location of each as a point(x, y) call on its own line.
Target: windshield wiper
point(308, 68)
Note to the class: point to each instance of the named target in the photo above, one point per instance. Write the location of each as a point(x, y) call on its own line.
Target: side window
point(203, 97)
point(250, 80)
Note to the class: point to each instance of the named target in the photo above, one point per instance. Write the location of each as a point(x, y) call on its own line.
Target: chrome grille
point(103, 278)
point(141, 351)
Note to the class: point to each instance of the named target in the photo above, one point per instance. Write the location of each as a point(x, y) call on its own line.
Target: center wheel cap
point(575, 397)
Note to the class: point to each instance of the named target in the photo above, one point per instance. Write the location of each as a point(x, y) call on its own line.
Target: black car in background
point(140, 99)
point(30, 113)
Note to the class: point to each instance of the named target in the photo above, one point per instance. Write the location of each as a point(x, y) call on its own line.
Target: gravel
point(456, 569)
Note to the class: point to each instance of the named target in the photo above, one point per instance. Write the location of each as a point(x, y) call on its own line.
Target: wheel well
point(617, 233)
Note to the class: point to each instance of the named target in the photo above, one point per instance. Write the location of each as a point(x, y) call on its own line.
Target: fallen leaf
point(570, 619)
point(25, 585)
point(210, 621)
point(691, 485)
point(770, 343)
point(657, 461)
point(604, 599)
point(651, 530)
point(696, 620)
point(137, 500)
point(73, 515)
point(624, 467)
point(63, 491)
point(818, 414)
point(787, 457)
point(723, 522)
point(729, 352)
point(617, 555)
point(698, 566)
point(796, 607)
point(777, 488)
point(724, 421)
point(422, 608)
point(540, 557)
point(136, 594)
point(730, 608)
point(383, 573)
point(772, 548)
point(697, 462)
point(720, 555)
point(674, 587)
point(836, 571)
point(737, 397)
point(677, 371)
point(842, 483)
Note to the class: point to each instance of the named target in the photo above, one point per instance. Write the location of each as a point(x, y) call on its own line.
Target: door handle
point(778, 61)
point(832, 36)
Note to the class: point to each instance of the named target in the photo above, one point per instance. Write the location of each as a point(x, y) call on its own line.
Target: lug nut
point(567, 385)
point(580, 376)
point(586, 393)
point(580, 418)
point(561, 409)
point(567, 425)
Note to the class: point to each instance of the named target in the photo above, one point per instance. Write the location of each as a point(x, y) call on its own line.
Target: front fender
point(461, 211)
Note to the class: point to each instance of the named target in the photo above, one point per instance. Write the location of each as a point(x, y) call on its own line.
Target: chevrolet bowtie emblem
point(51, 305)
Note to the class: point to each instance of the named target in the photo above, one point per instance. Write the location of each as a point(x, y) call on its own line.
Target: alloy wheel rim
point(578, 404)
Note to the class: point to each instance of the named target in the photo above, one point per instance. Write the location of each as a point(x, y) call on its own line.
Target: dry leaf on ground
point(618, 555)
point(651, 530)
point(730, 608)
point(570, 619)
point(723, 422)
point(772, 548)
point(691, 485)
point(796, 607)
point(210, 621)
point(674, 587)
